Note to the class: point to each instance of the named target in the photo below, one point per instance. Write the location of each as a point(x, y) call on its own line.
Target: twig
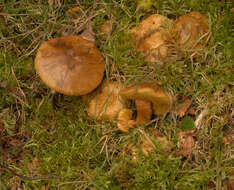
point(29, 178)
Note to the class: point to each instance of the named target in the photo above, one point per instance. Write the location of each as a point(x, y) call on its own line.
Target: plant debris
point(186, 143)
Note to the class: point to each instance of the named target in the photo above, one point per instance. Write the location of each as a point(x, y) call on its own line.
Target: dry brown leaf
point(186, 143)
point(88, 33)
point(43, 188)
point(183, 107)
point(3, 84)
point(228, 139)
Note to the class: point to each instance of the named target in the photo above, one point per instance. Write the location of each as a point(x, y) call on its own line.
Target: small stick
point(29, 178)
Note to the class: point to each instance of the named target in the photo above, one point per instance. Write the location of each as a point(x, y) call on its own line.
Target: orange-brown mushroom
point(70, 65)
point(151, 37)
point(107, 103)
point(151, 92)
point(125, 121)
point(190, 31)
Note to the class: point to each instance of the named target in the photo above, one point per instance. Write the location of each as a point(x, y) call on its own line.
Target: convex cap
point(151, 92)
point(70, 65)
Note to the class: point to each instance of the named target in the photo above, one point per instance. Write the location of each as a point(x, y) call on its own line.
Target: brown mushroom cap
point(151, 37)
point(150, 25)
point(190, 31)
point(151, 92)
point(107, 103)
point(70, 65)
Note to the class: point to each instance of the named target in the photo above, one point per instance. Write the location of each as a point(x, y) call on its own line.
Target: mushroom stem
point(144, 111)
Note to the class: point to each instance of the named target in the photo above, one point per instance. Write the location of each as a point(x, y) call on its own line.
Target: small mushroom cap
point(144, 111)
point(151, 92)
point(154, 47)
point(150, 25)
point(190, 31)
point(151, 37)
point(70, 65)
point(107, 103)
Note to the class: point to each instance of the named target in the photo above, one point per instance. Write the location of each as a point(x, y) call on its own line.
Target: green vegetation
point(45, 134)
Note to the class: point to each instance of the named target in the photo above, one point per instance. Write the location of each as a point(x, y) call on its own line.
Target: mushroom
point(124, 120)
point(144, 111)
point(150, 25)
point(151, 37)
point(70, 65)
point(106, 103)
point(151, 92)
point(190, 31)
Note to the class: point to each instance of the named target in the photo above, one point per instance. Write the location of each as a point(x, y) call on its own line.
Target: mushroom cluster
point(160, 39)
point(72, 65)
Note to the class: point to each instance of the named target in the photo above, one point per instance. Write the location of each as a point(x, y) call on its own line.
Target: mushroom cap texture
point(151, 37)
point(151, 92)
point(150, 25)
point(190, 30)
point(107, 103)
point(70, 65)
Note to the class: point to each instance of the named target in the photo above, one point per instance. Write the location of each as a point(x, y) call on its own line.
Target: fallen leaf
point(3, 84)
point(43, 188)
point(183, 107)
point(228, 139)
point(88, 33)
point(186, 143)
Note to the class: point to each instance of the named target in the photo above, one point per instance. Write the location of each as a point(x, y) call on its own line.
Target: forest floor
point(51, 135)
